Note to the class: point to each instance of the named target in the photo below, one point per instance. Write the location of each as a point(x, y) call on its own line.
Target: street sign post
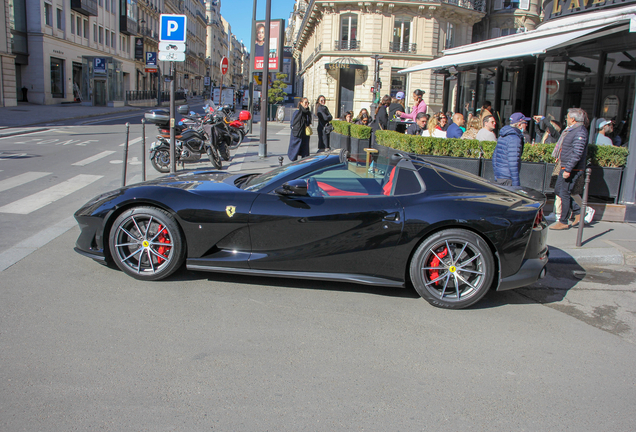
point(172, 37)
point(224, 67)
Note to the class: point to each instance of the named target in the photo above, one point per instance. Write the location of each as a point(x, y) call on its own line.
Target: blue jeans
point(563, 188)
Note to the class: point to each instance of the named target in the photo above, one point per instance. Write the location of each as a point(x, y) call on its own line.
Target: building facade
point(335, 42)
point(148, 33)
point(505, 17)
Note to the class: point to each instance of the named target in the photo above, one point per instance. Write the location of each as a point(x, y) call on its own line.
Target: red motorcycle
point(238, 128)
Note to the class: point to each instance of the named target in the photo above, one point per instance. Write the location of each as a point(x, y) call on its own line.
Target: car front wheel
point(452, 269)
point(146, 243)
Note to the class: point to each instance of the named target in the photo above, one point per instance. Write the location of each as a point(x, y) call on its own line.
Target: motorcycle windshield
point(209, 106)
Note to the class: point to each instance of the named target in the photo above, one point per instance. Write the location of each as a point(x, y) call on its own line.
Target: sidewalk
point(603, 243)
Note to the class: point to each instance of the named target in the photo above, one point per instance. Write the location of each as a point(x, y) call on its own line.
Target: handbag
point(328, 128)
point(555, 174)
point(308, 130)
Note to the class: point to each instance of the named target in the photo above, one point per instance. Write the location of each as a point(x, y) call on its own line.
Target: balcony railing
point(402, 47)
point(85, 7)
point(344, 45)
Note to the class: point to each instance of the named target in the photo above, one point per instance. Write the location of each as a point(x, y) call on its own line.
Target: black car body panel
point(242, 223)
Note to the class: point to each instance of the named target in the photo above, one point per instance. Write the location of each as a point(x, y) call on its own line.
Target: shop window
point(618, 93)
point(401, 36)
point(48, 14)
point(348, 32)
point(468, 84)
point(57, 77)
point(581, 82)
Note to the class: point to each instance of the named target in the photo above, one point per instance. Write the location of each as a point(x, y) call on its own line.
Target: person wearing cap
point(418, 107)
point(506, 160)
point(397, 104)
point(604, 127)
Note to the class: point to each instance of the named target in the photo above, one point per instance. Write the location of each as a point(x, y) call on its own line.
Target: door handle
point(392, 217)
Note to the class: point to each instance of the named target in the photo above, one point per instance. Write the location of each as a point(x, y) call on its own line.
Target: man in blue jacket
point(506, 160)
point(455, 128)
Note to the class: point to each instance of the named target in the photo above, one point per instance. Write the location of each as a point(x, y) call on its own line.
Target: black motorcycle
point(191, 140)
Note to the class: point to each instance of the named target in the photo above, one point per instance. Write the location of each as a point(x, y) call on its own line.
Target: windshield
point(258, 182)
point(209, 106)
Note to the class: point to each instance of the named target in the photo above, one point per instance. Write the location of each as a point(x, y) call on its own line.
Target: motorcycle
point(229, 133)
point(191, 140)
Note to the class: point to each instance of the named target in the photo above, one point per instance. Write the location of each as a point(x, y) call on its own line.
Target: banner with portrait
point(276, 28)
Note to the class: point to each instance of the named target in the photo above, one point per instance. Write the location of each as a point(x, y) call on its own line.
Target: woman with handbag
point(300, 131)
point(324, 127)
point(381, 121)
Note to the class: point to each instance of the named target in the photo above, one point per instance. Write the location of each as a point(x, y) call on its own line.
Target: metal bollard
point(280, 160)
point(579, 234)
point(123, 175)
point(143, 150)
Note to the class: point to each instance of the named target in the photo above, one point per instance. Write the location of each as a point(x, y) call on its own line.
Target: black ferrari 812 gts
point(389, 220)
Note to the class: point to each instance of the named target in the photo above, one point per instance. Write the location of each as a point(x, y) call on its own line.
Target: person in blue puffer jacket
point(506, 160)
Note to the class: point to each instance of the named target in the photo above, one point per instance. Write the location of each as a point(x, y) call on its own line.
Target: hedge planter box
point(472, 166)
point(358, 145)
point(335, 140)
point(532, 174)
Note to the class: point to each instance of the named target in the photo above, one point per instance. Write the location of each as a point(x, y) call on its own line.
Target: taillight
point(538, 220)
point(165, 131)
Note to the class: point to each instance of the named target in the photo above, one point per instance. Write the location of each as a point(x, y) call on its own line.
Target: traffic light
point(379, 68)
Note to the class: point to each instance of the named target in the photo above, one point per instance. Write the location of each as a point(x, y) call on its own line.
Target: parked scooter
point(191, 141)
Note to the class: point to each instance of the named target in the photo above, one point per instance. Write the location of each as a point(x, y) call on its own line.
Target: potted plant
point(360, 138)
point(276, 95)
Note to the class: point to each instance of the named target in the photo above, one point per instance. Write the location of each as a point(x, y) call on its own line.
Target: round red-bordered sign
point(224, 65)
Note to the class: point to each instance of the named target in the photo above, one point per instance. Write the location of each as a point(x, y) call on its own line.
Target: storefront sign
point(139, 48)
point(559, 8)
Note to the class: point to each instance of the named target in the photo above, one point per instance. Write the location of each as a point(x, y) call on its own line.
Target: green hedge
point(603, 156)
point(351, 129)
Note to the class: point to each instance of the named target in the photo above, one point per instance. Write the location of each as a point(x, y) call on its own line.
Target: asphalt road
point(83, 346)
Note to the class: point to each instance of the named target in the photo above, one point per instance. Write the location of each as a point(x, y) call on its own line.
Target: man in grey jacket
point(571, 150)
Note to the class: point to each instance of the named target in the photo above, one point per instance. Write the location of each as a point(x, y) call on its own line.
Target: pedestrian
point(474, 125)
point(442, 121)
point(324, 119)
point(455, 129)
point(506, 160)
point(363, 119)
point(418, 106)
point(486, 133)
point(381, 121)
point(348, 117)
point(433, 129)
point(605, 128)
point(571, 150)
point(299, 139)
point(397, 104)
point(548, 130)
point(362, 112)
point(419, 126)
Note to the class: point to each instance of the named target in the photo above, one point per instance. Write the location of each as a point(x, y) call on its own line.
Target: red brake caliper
point(161, 250)
point(434, 274)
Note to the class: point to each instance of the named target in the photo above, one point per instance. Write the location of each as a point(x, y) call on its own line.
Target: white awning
point(513, 49)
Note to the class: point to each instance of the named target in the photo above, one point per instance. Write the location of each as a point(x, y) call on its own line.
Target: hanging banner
point(139, 48)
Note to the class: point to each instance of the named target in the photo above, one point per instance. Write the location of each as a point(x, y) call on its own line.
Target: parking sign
point(173, 28)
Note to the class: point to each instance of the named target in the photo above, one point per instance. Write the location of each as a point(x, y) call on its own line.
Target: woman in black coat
point(381, 121)
point(324, 117)
point(299, 140)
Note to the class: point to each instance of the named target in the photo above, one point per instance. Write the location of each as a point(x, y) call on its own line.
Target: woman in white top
point(433, 129)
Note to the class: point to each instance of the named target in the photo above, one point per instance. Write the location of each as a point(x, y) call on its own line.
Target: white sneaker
point(589, 214)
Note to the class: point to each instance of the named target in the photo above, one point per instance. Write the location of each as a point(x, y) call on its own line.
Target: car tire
point(452, 269)
point(147, 243)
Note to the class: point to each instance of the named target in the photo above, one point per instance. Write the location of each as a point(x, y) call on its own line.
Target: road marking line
point(33, 243)
point(21, 179)
point(38, 200)
point(131, 142)
point(94, 158)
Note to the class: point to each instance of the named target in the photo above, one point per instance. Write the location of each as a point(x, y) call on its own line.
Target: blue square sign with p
point(173, 28)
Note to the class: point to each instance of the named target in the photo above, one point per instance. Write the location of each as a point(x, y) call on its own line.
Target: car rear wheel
point(452, 269)
point(146, 243)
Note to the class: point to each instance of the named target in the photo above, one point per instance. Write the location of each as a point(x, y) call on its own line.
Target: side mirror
point(183, 109)
point(293, 187)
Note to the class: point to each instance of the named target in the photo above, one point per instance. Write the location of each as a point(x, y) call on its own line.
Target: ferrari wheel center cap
point(145, 243)
point(452, 269)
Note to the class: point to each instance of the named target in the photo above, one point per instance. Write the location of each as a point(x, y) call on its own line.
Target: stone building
point(335, 42)
point(148, 31)
point(505, 17)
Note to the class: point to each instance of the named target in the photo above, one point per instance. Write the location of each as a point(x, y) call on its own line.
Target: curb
point(73, 118)
point(589, 256)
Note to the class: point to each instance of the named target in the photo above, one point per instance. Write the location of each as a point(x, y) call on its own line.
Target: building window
point(101, 3)
point(113, 7)
point(101, 34)
point(48, 14)
point(60, 17)
point(113, 40)
point(107, 38)
point(450, 36)
point(73, 24)
point(85, 28)
point(401, 36)
point(348, 32)
point(95, 33)
point(107, 5)
point(57, 77)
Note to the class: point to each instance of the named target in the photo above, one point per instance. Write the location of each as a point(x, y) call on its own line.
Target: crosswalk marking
point(38, 200)
point(94, 158)
point(21, 179)
point(131, 142)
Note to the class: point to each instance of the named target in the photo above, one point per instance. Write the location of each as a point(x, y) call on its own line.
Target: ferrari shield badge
point(230, 210)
